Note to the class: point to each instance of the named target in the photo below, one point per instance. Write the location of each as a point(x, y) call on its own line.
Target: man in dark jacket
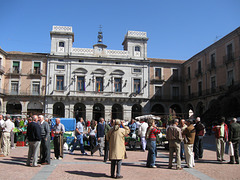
point(198, 143)
point(34, 139)
point(234, 137)
point(100, 135)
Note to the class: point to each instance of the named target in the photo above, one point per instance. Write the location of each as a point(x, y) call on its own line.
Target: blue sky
point(177, 29)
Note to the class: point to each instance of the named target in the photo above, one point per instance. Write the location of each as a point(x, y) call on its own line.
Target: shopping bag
point(230, 150)
point(95, 148)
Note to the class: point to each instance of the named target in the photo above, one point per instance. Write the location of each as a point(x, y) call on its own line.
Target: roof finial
point(100, 36)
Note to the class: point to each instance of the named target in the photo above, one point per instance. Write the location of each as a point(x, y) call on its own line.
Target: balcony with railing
point(198, 72)
point(176, 79)
point(156, 79)
point(228, 58)
point(211, 67)
point(14, 71)
point(36, 72)
point(17, 92)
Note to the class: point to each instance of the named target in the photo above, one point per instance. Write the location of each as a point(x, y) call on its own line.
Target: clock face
point(100, 49)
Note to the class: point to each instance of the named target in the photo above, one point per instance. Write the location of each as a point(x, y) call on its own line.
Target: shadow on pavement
point(87, 159)
point(89, 174)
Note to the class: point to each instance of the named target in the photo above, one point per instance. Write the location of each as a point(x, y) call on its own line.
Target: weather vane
point(100, 36)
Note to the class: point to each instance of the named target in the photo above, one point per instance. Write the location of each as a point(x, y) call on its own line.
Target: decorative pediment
point(117, 72)
point(99, 71)
point(80, 71)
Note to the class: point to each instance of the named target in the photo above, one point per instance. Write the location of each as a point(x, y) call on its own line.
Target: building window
point(137, 48)
point(80, 60)
point(118, 84)
point(230, 78)
point(60, 60)
point(60, 83)
point(16, 67)
point(189, 91)
point(100, 62)
point(36, 88)
point(137, 86)
point(137, 70)
point(14, 87)
point(200, 88)
point(61, 67)
point(118, 62)
point(189, 72)
point(230, 52)
point(158, 91)
point(158, 73)
point(175, 74)
point(61, 44)
point(175, 92)
point(213, 60)
point(80, 83)
point(99, 84)
point(37, 68)
point(199, 67)
point(213, 84)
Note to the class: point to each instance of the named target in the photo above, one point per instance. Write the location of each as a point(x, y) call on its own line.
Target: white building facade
point(97, 82)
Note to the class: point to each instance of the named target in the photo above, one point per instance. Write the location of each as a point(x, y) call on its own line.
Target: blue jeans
point(152, 153)
point(79, 141)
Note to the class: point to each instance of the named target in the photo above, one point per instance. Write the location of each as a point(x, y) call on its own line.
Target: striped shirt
point(153, 133)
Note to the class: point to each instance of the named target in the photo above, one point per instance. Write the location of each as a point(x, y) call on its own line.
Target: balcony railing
point(211, 67)
point(14, 71)
point(176, 79)
point(156, 79)
point(35, 72)
point(215, 90)
point(228, 58)
point(198, 72)
point(22, 92)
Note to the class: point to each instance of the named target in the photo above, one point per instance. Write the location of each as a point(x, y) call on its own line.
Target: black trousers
point(236, 150)
point(198, 147)
point(92, 140)
point(58, 146)
point(106, 150)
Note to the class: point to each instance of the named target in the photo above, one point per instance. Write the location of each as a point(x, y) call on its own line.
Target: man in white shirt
point(7, 128)
point(141, 132)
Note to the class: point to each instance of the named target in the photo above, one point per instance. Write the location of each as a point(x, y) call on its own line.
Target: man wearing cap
point(189, 136)
point(234, 137)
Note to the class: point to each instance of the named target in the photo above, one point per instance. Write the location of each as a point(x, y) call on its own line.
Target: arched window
point(61, 44)
point(137, 48)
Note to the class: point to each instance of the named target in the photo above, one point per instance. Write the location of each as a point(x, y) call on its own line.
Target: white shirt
point(142, 129)
point(8, 126)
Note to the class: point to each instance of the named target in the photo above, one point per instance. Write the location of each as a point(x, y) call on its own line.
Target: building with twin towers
point(99, 82)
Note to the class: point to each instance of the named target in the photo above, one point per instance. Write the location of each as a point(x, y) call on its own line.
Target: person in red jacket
point(221, 134)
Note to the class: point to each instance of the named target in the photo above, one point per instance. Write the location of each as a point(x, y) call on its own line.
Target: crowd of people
point(185, 140)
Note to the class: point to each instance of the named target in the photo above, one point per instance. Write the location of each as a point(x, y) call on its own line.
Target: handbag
point(230, 150)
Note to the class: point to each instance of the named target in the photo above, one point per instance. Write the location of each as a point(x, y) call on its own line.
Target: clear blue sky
point(177, 29)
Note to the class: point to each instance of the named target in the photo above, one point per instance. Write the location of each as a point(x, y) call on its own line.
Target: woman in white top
point(92, 136)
